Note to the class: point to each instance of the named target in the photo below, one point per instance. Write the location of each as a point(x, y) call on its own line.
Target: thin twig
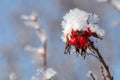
point(91, 76)
point(34, 23)
point(40, 32)
point(110, 2)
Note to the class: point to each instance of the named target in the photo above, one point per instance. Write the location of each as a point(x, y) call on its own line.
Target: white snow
point(80, 20)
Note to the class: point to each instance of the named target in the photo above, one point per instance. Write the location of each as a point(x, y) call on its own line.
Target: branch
point(100, 58)
point(32, 21)
point(44, 42)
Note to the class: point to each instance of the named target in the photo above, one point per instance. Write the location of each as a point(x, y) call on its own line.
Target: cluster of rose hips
point(80, 40)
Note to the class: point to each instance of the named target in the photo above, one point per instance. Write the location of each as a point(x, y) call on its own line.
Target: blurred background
point(14, 36)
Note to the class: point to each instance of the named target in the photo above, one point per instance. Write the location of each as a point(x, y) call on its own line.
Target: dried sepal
point(83, 42)
point(67, 48)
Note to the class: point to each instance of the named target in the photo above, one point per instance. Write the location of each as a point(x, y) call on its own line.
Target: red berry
point(73, 41)
point(74, 33)
point(85, 40)
point(82, 41)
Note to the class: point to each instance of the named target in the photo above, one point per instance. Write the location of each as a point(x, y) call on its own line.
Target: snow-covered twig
point(45, 73)
point(78, 27)
point(114, 3)
point(49, 73)
point(90, 75)
point(32, 21)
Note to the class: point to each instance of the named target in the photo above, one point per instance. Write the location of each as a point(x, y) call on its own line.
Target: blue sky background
point(14, 36)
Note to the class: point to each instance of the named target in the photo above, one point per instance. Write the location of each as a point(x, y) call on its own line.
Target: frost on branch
point(78, 26)
point(114, 3)
point(44, 73)
point(31, 20)
point(39, 51)
point(38, 56)
point(47, 74)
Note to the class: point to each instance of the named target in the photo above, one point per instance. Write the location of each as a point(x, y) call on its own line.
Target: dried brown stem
point(100, 58)
point(45, 48)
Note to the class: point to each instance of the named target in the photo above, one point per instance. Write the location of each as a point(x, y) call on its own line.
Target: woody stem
point(109, 76)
